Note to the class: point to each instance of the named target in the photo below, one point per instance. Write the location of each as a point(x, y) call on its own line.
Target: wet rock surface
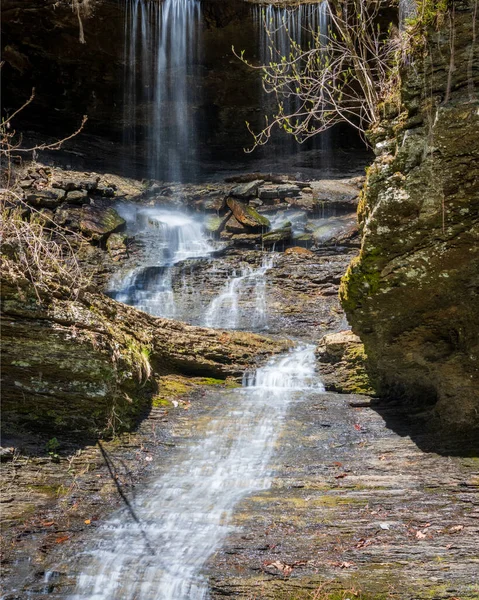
point(364, 503)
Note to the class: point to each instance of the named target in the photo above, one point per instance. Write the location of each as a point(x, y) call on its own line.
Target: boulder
point(116, 246)
point(214, 225)
point(248, 190)
point(245, 240)
point(87, 364)
point(337, 231)
point(336, 194)
point(46, 198)
point(278, 236)
point(412, 294)
point(288, 190)
point(268, 192)
point(234, 226)
point(94, 222)
point(342, 363)
point(77, 197)
point(247, 215)
point(305, 240)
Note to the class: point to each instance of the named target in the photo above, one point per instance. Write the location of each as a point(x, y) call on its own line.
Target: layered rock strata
point(412, 295)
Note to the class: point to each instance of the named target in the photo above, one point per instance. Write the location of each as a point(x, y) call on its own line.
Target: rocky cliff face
point(412, 295)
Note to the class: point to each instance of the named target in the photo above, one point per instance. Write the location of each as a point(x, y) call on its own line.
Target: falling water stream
point(162, 51)
point(171, 238)
point(185, 514)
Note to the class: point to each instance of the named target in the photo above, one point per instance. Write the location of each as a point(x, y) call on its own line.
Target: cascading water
point(186, 513)
point(280, 30)
point(162, 51)
point(224, 311)
point(171, 237)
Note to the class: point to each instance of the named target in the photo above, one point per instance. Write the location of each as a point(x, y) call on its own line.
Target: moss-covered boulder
point(86, 364)
point(342, 363)
point(94, 222)
point(412, 295)
point(247, 215)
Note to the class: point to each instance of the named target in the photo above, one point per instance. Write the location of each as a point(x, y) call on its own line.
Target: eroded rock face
point(412, 295)
point(342, 359)
point(85, 364)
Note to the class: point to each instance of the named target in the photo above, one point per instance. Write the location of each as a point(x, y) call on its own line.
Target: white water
point(281, 30)
point(186, 513)
point(224, 311)
point(162, 50)
point(171, 237)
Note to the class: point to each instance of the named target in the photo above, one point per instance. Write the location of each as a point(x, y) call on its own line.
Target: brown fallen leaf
point(48, 523)
point(63, 538)
point(284, 568)
point(340, 476)
point(364, 543)
point(456, 528)
point(87, 521)
point(343, 565)
point(420, 535)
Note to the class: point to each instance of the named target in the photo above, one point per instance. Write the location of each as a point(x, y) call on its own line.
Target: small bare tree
point(32, 244)
point(342, 76)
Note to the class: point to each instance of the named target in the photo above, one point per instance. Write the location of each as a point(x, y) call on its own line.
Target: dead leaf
point(337, 464)
point(87, 521)
point(48, 524)
point(357, 427)
point(340, 476)
point(456, 528)
point(63, 538)
point(363, 543)
point(343, 565)
point(284, 568)
point(420, 535)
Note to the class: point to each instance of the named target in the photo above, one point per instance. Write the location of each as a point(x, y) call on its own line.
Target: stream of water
point(185, 514)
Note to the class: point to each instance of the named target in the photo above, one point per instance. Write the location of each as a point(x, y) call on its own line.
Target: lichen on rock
point(412, 293)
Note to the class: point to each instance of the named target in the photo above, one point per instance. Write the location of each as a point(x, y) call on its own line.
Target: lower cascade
point(224, 312)
point(183, 516)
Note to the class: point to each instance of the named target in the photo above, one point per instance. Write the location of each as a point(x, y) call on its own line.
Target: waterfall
point(280, 30)
point(171, 237)
point(185, 514)
point(224, 311)
point(162, 51)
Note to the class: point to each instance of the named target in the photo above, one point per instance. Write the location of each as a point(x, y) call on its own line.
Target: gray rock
point(46, 198)
point(94, 222)
point(247, 190)
point(116, 246)
point(77, 197)
point(288, 191)
point(105, 191)
point(268, 192)
point(279, 236)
